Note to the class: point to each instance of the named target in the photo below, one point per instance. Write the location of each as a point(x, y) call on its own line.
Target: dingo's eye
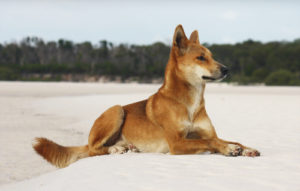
point(202, 58)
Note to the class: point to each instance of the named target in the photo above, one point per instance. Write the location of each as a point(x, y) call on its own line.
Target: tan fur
point(58, 155)
point(172, 120)
point(105, 129)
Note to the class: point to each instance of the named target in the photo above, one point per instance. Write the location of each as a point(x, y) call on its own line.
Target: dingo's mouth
point(213, 79)
point(208, 78)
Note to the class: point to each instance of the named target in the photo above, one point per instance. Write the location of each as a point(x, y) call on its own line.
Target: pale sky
point(145, 22)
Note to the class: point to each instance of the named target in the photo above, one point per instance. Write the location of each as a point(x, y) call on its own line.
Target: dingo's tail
point(58, 155)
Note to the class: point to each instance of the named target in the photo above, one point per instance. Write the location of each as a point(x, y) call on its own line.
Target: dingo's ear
point(179, 40)
point(194, 37)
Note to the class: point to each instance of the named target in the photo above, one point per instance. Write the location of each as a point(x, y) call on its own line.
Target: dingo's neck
point(180, 90)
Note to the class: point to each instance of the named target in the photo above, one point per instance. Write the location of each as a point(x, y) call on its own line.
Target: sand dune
point(266, 118)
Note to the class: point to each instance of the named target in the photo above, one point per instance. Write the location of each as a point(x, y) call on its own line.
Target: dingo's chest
point(199, 125)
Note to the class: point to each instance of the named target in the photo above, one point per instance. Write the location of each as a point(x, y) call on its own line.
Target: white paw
point(116, 149)
point(132, 148)
point(250, 152)
point(233, 150)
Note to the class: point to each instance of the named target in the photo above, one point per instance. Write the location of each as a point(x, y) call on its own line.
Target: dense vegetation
point(273, 63)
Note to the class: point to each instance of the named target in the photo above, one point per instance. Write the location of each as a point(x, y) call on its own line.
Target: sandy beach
point(265, 118)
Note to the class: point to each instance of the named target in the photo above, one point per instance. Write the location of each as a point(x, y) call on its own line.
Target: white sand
point(266, 118)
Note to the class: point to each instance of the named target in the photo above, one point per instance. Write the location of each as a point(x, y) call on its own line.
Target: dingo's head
point(194, 62)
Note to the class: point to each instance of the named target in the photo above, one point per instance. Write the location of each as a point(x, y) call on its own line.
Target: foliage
point(273, 63)
point(281, 77)
point(7, 74)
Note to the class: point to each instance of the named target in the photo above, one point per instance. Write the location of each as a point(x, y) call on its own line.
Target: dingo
point(172, 120)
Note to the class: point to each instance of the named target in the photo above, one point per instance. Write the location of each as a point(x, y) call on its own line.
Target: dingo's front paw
point(250, 152)
point(233, 150)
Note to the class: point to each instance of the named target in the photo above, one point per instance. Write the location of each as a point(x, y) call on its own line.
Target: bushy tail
point(58, 155)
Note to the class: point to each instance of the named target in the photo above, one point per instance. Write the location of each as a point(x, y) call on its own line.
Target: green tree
point(280, 77)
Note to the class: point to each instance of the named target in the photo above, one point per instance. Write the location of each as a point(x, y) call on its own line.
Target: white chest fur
point(197, 98)
point(192, 124)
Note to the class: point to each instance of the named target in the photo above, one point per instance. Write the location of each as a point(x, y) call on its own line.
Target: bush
point(7, 74)
point(259, 75)
point(281, 77)
point(240, 79)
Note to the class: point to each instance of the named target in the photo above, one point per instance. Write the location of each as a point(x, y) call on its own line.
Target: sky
point(146, 22)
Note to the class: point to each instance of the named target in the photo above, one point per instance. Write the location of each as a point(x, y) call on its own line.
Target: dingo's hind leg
point(106, 131)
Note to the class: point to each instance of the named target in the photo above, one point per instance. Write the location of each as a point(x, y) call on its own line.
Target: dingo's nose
point(224, 70)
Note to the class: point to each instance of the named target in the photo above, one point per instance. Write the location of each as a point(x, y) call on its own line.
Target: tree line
point(250, 62)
